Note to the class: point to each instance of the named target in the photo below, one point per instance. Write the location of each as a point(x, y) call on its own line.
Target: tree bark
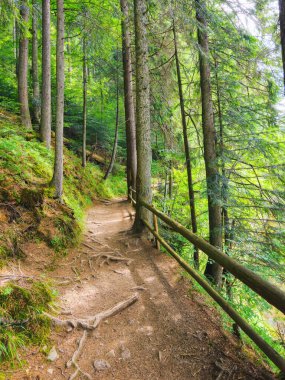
point(35, 71)
point(128, 98)
point(58, 162)
point(23, 67)
point(144, 152)
point(16, 44)
point(282, 33)
point(186, 148)
point(114, 152)
point(84, 70)
point(45, 128)
point(213, 270)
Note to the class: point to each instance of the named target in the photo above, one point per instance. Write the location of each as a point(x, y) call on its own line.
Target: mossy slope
point(27, 207)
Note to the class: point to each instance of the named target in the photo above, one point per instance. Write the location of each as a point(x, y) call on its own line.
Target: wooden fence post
point(155, 225)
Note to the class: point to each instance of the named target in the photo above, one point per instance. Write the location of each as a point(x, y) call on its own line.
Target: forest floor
point(169, 333)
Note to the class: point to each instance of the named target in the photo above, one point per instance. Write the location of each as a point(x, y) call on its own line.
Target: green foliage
point(21, 317)
point(26, 168)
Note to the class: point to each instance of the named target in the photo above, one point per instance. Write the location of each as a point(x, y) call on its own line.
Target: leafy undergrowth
point(27, 208)
point(22, 321)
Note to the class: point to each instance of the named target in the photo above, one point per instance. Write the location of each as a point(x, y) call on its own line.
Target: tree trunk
point(282, 33)
point(186, 148)
point(213, 270)
point(144, 152)
point(16, 46)
point(23, 67)
point(128, 98)
point(114, 152)
point(45, 128)
point(35, 71)
point(58, 162)
point(84, 68)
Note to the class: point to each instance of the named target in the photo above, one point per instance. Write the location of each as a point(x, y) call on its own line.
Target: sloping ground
point(169, 333)
point(28, 210)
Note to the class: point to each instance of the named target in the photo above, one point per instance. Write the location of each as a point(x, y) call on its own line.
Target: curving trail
point(170, 333)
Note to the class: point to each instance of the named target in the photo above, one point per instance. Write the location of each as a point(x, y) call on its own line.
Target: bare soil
point(170, 333)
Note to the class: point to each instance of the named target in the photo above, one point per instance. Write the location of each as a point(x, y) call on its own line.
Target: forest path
point(169, 333)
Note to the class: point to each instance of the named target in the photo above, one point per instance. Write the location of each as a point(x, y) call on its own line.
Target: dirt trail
point(169, 333)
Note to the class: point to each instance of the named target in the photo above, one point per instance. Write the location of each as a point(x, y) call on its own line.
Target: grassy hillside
point(27, 208)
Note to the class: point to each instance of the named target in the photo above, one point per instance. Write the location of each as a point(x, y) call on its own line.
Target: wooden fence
point(271, 293)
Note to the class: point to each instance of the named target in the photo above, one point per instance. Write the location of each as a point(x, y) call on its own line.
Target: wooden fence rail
point(265, 289)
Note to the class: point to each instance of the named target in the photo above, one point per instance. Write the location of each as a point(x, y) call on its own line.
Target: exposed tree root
point(91, 324)
point(98, 242)
point(140, 287)
point(78, 351)
point(9, 277)
point(107, 258)
point(88, 246)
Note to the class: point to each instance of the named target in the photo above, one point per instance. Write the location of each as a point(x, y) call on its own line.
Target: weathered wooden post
point(155, 225)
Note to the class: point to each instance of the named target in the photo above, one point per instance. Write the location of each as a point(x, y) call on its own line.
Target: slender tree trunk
point(16, 46)
point(227, 228)
point(23, 67)
point(114, 152)
point(45, 128)
point(68, 51)
point(58, 162)
point(128, 97)
point(170, 191)
point(165, 192)
point(282, 33)
point(144, 152)
point(84, 68)
point(186, 148)
point(213, 270)
point(35, 71)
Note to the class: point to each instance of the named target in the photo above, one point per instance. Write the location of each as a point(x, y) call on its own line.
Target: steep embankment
point(28, 212)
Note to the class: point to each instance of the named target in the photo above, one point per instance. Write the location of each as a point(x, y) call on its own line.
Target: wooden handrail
point(257, 339)
point(265, 289)
point(271, 293)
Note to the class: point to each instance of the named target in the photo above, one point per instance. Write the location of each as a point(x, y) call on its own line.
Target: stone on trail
point(111, 354)
point(52, 355)
point(125, 353)
point(101, 365)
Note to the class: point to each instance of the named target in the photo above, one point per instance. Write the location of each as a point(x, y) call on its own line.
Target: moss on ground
point(26, 199)
point(21, 317)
